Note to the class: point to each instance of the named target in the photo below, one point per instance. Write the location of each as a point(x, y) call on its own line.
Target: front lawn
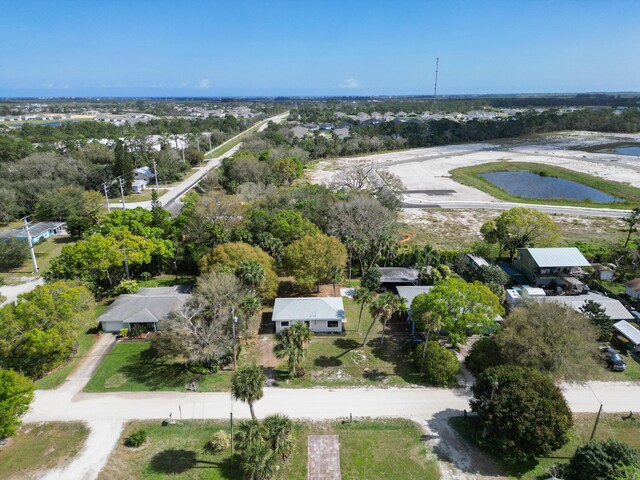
point(131, 367)
point(343, 361)
point(45, 251)
point(369, 449)
point(612, 425)
point(39, 447)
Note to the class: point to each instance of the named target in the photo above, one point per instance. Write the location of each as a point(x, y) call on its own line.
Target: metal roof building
point(396, 275)
point(411, 292)
point(629, 331)
point(612, 307)
point(557, 257)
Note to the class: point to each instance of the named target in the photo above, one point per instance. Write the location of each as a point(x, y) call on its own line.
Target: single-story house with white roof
point(137, 186)
point(409, 292)
point(632, 288)
point(145, 307)
point(321, 314)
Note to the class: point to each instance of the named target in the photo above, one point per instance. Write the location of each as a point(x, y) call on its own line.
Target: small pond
point(533, 185)
point(627, 150)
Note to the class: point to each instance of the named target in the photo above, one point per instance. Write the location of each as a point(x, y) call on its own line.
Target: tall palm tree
point(431, 322)
point(383, 308)
point(247, 385)
point(251, 272)
point(632, 220)
point(336, 275)
point(279, 428)
point(362, 296)
point(290, 343)
point(249, 307)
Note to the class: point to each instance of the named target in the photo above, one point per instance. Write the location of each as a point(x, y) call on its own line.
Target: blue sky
point(321, 47)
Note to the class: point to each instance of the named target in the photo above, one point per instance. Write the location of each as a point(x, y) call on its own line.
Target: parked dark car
point(614, 360)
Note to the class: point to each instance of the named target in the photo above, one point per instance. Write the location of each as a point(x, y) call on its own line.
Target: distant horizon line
point(273, 97)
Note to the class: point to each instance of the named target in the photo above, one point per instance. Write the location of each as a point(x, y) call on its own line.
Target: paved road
point(12, 291)
point(171, 199)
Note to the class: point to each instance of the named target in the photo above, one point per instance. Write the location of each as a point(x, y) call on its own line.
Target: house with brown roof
point(632, 288)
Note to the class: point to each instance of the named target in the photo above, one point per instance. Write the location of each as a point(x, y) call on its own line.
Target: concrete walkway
point(323, 457)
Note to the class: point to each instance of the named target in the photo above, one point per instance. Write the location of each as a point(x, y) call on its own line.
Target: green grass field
point(225, 147)
point(611, 426)
point(167, 281)
point(39, 447)
point(132, 367)
point(369, 450)
point(45, 251)
point(469, 176)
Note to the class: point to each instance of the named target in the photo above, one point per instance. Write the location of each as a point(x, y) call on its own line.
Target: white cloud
point(48, 85)
point(204, 83)
point(350, 83)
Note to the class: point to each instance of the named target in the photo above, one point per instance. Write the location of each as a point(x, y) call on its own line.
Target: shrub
point(136, 439)
point(439, 365)
point(604, 460)
point(484, 354)
point(126, 286)
point(219, 441)
point(524, 412)
point(124, 332)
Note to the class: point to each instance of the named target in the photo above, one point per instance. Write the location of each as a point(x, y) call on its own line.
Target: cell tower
point(435, 86)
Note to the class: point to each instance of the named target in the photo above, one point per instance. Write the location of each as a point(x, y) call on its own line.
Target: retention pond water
point(532, 185)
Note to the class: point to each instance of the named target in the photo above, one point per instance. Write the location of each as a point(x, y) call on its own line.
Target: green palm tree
point(247, 385)
point(290, 344)
point(279, 428)
point(251, 272)
point(249, 433)
point(383, 307)
point(249, 307)
point(362, 296)
point(259, 462)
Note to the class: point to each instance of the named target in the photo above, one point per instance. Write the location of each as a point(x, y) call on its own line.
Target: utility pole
point(121, 183)
point(155, 173)
point(33, 253)
point(209, 141)
point(106, 195)
point(234, 320)
point(126, 263)
point(435, 86)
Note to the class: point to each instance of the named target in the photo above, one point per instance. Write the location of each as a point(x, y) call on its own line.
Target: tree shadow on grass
point(176, 461)
point(151, 371)
point(324, 361)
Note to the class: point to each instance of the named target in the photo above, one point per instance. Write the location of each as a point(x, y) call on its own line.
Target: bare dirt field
point(427, 169)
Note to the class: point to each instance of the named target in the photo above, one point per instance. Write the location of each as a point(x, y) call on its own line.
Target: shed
point(147, 307)
point(137, 186)
point(632, 288)
point(602, 271)
point(321, 314)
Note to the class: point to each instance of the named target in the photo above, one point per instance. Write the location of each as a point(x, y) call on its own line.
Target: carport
point(629, 332)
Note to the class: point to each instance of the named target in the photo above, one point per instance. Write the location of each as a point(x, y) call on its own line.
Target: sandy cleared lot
point(428, 168)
